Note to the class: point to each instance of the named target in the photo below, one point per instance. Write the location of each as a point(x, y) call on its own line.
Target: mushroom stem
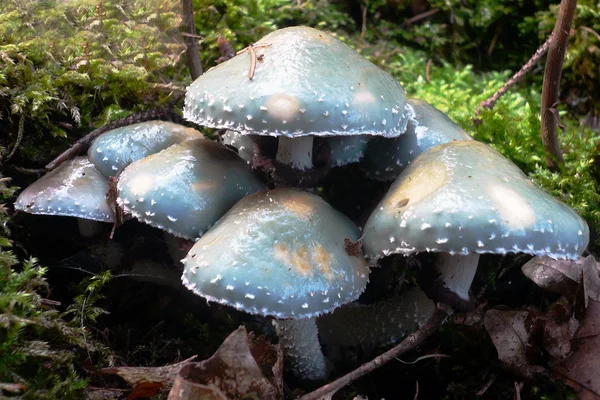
point(295, 152)
point(300, 341)
point(375, 325)
point(457, 272)
point(89, 228)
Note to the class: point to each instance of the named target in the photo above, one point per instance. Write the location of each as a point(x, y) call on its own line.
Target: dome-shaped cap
point(74, 189)
point(306, 82)
point(465, 197)
point(427, 127)
point(243, 143)
point(186, 188)
point(279, 253)
point(114, 150)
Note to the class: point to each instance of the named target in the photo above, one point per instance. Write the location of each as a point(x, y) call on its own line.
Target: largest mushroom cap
point(117, 148)
point(280, 253)
point(74, 189)
point(186, 188)
point(465, 197)
point(306, 83)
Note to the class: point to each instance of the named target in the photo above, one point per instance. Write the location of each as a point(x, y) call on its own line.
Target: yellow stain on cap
point(282, 106)
point(516, 212)
point(141, 184)
point(415, 185)
point(322, 258)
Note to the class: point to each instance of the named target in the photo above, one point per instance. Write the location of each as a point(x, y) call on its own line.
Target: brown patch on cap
point(322, 258)
point(303, 207)
point(199, 186)
point(299, 259)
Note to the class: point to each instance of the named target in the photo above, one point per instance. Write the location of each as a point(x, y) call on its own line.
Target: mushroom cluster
point(295, 104)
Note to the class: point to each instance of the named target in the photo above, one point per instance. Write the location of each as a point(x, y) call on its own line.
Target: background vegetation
point(67, 67)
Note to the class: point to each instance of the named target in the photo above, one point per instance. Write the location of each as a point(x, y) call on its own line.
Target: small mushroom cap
point(347, 150)
point(427, 127)
point(186, 188)
point(279, 253)
point(464, 197)
point(306, 82)
point(117, 148)
point(74, 189)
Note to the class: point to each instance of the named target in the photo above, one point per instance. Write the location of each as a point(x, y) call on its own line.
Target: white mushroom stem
point(295, 152)
point(300, 341)
point(457, 272)
point(89, 228)
point(375, 325)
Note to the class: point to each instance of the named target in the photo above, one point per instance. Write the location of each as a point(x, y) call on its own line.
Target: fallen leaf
point(510, 336)
point(555, 330)
point(147, 381)
point(591, 280)
point(581, 370)
point(231, 373)
point(561, 276)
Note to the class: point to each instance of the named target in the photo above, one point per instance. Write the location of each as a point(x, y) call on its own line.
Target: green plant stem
point(551, 85)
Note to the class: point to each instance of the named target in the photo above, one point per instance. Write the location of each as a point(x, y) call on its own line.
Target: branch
point(551, 85)
point(490, 102)
point(192, 53)
point(20, 130)
point(85, 141)
point(407, 344)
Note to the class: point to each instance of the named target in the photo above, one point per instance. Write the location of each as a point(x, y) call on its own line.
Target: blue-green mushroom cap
point(348, 149)
point(280, 253)
point(186, 188)
point(427, 127)
point(464, 197)
point(243, 143)
point(117, 148)
point(74, 189)
point(306, 82)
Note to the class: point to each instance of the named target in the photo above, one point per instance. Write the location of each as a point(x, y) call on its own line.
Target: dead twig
point(416, 396)
point(421, 16)
point(551, 85)
point(20, 130)
point(407, 344)
point(252, 61)
point(253, 56)
point(490, 102)
point(85, 141)
point(188, 28)
point(517, 391)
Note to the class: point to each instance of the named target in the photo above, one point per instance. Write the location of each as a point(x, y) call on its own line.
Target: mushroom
point(185, 188)
point(74, 189)
point(297, 83)
point(114, 150)
point(427, 126)
point(462, 199)
point(347, 150)
point(286, 258)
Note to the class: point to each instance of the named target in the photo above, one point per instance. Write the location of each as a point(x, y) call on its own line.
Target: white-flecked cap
point(114, 150)
point(74, 189)
point(186, 188)
point(280, 253)
point(306, 82)
point(464, 197)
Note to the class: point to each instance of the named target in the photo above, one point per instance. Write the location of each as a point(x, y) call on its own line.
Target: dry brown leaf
point(581, 370)
point(231, 373)
point(146, 380)
point(562, 276)
point(510, 336)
